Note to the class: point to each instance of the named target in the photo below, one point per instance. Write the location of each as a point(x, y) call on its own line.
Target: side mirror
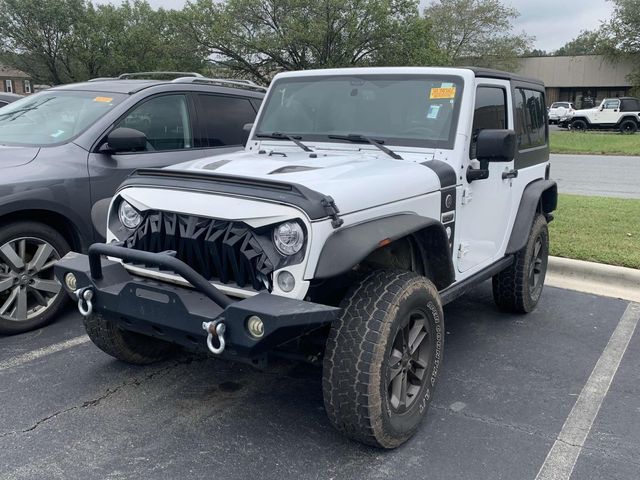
point(492, 146)
point(496, 145)
point(247, 127)
point(125, 139)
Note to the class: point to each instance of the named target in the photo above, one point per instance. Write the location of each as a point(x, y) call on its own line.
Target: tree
point(588, 42)
point(58, 41)
point(477, 32)
point(259, 38)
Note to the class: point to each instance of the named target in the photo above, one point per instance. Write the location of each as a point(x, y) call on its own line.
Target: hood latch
point(332, 210)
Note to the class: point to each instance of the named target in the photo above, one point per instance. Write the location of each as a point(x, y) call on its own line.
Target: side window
point(165, 122)
point(611, 104)
point(490, 112)
point(531, 123)
point(222, 119)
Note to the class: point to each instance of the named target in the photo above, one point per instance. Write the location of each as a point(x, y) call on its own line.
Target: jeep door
point(485, 211)
point(174, 127)
point(608, 113)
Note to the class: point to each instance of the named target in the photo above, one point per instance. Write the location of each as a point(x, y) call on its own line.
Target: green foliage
point(259, 38)
point(59, 41)
point(477, 32)
point(586, 43)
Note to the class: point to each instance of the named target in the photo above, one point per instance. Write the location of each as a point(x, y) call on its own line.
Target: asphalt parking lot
point(507, 387)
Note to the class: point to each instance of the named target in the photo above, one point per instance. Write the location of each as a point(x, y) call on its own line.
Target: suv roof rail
point(127, 76)
point(223, 82)
point(101, 79)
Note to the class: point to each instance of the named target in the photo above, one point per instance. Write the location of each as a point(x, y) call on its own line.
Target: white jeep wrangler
point(364, 201)
point(622, 114)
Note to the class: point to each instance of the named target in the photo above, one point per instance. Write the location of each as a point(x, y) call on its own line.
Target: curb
point(596, 278)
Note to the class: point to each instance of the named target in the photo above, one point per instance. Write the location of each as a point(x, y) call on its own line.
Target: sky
point(552, 22)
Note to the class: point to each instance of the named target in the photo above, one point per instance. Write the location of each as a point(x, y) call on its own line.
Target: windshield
point(53, 116)
point(408, 110)
point(560, 105)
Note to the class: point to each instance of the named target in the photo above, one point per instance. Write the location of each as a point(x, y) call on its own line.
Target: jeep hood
point(356, 180)
point(16, 156)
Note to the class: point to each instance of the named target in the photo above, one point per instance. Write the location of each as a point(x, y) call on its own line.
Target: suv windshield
point(53, 116)
point(410, 110)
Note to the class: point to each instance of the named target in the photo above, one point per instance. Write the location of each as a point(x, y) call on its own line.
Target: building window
point(27, 86)
point(8, 86)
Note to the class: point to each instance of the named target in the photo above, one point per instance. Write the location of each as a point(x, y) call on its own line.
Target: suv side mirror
point(125, 139)
point(247, 127)
point(492, 146)
point(496, 145)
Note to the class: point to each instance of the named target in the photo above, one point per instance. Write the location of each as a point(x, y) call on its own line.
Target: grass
point(595, 143)
point(597, 229)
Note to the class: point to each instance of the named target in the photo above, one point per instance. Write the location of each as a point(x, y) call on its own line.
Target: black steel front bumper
point(176, 313)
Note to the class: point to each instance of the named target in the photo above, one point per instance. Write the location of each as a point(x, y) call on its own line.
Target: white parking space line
point(43, 352)
point(565, 451)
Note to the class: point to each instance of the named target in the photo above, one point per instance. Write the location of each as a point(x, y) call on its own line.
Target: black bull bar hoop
point(177, 313)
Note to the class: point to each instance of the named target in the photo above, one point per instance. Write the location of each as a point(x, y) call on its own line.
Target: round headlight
point(288, 238)
point(129, 216)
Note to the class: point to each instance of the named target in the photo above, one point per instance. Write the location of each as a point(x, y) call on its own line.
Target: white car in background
point(559, 110)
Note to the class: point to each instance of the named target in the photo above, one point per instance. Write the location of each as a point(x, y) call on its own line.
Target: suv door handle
point(510, 174)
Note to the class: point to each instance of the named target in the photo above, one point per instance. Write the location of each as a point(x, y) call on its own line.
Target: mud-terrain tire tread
point(355, 349)
point(127, 346)
point(510, 286)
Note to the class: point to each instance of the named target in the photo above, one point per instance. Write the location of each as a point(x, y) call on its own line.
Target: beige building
point(14, 81)
point(584, 80)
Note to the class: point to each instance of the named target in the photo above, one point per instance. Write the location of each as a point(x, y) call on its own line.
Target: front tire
point(382, 358)
point(518, 288)
point(127, 346)
point(30, 295)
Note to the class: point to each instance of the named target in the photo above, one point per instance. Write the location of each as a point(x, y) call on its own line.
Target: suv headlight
point(288, 238)
point(129, 216)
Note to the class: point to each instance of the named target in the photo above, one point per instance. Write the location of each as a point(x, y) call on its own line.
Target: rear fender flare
point(539, 196)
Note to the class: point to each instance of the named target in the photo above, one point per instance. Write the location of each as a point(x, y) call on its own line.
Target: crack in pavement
point(96, 401)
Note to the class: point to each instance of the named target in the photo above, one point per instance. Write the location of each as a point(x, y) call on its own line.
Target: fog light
point(71, 281)
point(286, 282)
point(255, 326)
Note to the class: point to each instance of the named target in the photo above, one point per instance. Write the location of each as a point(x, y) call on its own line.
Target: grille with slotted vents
point(220, 250)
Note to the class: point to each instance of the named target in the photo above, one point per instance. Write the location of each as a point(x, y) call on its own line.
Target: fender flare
point(539, 195)
point(348, 246)
point(628, 117)
point(584, 119)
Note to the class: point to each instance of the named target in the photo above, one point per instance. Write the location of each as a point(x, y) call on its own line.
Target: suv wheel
point(579, 125)
point(30, 295)
point(130, 347)
point(382, 358)
point(628, 127)
point(518, 287)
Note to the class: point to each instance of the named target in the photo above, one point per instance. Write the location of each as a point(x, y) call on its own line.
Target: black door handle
point(510, 174)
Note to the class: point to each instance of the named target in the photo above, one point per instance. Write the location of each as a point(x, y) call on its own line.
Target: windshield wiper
point(354, 137)
point(293, 138)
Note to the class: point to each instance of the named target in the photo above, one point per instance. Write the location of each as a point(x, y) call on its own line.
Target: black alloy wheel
point(409, 362)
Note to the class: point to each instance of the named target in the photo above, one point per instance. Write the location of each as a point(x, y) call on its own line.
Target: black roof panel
point(499, 74)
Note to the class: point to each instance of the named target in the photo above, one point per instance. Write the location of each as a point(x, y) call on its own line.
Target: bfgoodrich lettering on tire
point(382, 358)
point(518, 288)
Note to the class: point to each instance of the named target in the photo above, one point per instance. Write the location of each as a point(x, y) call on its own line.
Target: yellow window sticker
point(442, 93)
point(103, 99)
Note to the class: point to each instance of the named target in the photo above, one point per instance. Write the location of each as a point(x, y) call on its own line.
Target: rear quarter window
point(530, 118)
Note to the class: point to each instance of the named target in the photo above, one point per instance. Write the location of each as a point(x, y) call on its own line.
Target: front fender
point(348, 246)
